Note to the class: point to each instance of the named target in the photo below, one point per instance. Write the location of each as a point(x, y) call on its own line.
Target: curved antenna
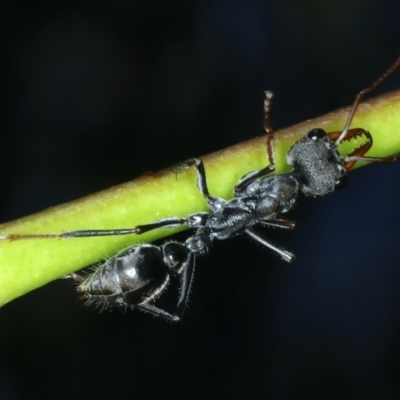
point(361, 95)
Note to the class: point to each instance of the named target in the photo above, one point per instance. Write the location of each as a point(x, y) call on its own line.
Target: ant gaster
point(137, 275)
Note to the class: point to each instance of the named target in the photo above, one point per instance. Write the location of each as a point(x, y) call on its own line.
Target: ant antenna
point(267, 107)
point(268, 128)
point(361, 95)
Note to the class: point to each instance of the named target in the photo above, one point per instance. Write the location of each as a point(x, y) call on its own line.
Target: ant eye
point(341, 182)
point(316, 133)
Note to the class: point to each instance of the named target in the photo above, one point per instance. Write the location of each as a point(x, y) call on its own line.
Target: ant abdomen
point(134, 276)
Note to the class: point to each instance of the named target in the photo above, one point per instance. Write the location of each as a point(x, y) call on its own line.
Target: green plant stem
point(31, 263)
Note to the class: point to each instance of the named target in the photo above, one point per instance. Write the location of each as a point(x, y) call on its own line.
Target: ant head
point(317, 162)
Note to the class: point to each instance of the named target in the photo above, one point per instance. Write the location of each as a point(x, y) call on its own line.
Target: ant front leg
point(247, 179)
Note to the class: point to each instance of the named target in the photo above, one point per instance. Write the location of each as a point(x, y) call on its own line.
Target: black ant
point(137, 275)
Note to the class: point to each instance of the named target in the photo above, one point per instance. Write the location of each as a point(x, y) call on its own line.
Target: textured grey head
point(317, 163)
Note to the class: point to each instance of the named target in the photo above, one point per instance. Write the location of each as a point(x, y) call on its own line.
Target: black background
point(96, 93)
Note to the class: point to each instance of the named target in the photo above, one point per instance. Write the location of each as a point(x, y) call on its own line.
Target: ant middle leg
point(286, 255)
point(280, 222)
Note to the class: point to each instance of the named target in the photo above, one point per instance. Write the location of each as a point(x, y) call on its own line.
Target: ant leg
point(193, 221)
point(286, 255)
point(214, 203)
point(247, 179)
point(158, 312)
point(197, 220)
point(78, 276)
point(280, 222)
point(70, 234)
point(187, 278)
point(167, 223)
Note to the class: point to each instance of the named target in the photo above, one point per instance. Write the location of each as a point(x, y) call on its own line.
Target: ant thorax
point(317, 163)
point(275, 193)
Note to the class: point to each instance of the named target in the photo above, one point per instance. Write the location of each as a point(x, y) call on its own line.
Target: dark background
point(94, 93)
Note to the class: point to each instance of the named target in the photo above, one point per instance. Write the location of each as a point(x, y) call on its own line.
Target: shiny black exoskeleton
point(135, 276)
point(138, 274)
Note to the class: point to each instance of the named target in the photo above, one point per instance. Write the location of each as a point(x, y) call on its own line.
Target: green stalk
point(28, 264)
